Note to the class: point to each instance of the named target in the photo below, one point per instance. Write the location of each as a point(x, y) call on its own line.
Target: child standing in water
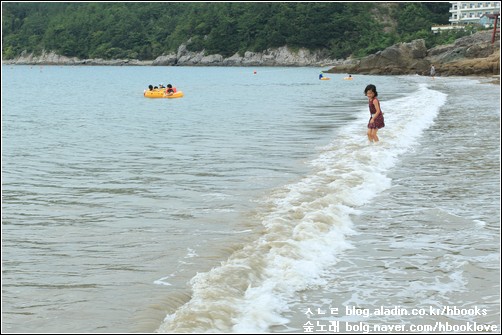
point(376, 120)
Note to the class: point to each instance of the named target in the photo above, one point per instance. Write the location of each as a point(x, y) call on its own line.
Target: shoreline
point(495, 78)
point(472, 55)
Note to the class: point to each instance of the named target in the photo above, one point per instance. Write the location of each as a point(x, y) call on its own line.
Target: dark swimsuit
point(379, 121)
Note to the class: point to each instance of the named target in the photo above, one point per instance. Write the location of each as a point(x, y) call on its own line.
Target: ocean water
point(255, 203)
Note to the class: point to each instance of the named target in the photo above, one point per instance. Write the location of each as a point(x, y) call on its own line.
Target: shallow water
point(243, 204)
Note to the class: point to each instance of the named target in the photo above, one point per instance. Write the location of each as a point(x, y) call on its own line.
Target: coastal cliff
point(470, 55)
point(271, 57)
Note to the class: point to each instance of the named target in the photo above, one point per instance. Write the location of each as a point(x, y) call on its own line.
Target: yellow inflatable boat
point(162, 94)
point(325, 78)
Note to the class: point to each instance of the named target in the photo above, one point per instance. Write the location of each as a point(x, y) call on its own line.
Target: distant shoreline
point(495, 78)
point(472, 55)
point(145, 63)
point(282, 56)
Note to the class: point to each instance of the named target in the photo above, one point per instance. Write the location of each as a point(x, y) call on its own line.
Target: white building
point(465, 12)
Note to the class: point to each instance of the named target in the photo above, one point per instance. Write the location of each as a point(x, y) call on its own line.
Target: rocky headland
point(470, 55)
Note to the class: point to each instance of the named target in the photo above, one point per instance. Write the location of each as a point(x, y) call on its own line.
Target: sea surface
point(255, 203)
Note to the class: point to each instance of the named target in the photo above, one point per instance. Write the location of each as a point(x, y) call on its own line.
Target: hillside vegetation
point(146, 30)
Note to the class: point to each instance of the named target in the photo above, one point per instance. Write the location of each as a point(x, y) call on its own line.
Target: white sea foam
point(305, 232)
point(162, 281)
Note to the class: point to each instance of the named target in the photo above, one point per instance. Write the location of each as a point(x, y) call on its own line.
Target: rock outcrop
point(409, 56)
point(271, 57)
point(470, 55)
point(51, 58)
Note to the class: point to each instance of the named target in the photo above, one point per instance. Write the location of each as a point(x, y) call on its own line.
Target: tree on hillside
point(148, 30)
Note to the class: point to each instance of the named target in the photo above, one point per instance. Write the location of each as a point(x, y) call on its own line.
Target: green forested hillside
point(146, 30)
